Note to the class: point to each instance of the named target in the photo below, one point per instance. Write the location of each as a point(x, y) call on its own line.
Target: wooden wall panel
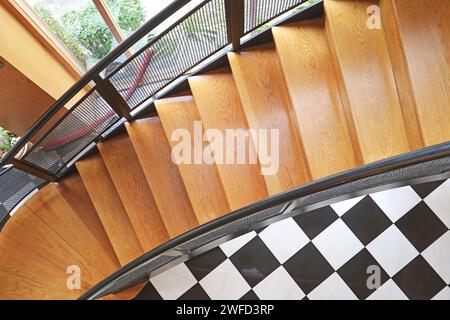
point(32, 58)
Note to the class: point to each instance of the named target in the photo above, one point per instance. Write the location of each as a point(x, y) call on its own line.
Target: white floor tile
point(225, 283)
point(342, 207)
point(438, 256)
point(333, 288)
point(396, 202)
point(388, 291)
point(443, 295)
point(392, 250)
point(284, 239)
point(439, 202)
point(279, 286)
point(230, 247)
point(174, 282)
point(338, 244)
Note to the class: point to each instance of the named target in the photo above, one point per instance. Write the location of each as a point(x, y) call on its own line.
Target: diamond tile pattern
point(427, 283)
point(254, 261)
point(366, 220)
point(314, 222)
point(393, 244)
point(356, 274)
point(308, 268)
point(421, 226)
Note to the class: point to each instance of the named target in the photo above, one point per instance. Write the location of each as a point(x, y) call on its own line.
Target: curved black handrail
point(91, 74)
point(353, 175)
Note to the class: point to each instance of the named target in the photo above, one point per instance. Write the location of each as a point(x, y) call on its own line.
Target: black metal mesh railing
point(81, 125)
point(259, 12)
point(167, 57)
point(15, 185)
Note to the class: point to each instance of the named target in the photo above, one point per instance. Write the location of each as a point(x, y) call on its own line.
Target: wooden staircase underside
point(340, 94)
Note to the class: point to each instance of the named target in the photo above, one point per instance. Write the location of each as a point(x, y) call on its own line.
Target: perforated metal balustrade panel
point(259, 12)
point(82, 125)
point(177, 51)
point(15, 186)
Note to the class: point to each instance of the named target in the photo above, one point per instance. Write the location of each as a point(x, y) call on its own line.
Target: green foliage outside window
point(5, 140)
point(84, 32)
point(129, 13)
point(67, 39)
point(91, 31)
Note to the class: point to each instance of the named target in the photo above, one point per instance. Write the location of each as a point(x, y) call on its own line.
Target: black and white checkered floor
point(401, 235)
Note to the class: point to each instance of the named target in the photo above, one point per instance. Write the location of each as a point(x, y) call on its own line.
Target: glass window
point(7, 140)
point(79, 26)
point(81, 29)
point(132, 14)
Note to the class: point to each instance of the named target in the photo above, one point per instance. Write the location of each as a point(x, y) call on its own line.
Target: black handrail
point(365, 171)
point(92, 73)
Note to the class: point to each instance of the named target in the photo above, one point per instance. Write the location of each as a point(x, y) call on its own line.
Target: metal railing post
point(234, 10)
point(33, 169)
point(112, 97)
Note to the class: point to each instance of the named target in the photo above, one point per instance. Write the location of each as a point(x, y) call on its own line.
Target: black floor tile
point(314, 222)
point(254, 261)
point(421, 226)
point(424, 189)
point(195, 293)
point(358, 276)
point(251, 295)
point(203, 264)
point(308, 268)
point(149, 292)
point(366, 220)
point(418, 280)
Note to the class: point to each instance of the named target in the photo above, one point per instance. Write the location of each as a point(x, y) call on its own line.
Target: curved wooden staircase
point(341, 95)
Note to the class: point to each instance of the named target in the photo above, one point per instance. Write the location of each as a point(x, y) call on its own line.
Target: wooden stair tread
point(209, 203)
point(28, 265)
point(18, 288)
point(340, 94)
point(110, 209)
point(73, 191)
point(310, 77)
point(27, 229)
point(51, 207)
point(366, 80)
point(418, 42)
point(265, 100)
point(220, 108)
point(153, 151)
point(129, 180)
